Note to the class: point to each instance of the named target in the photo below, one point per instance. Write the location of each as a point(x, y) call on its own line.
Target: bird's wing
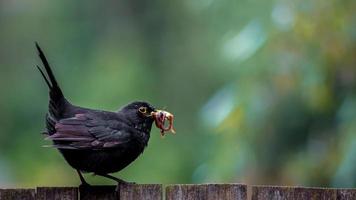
point(89, 131)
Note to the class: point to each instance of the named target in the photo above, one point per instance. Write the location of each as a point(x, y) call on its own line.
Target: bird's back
point(101, 160)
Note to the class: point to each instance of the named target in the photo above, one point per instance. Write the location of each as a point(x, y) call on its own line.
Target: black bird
point(97, 141)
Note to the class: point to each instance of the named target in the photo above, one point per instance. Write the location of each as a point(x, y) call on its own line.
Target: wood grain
point(20, 194)
point(179, 192)
point(98, 192)
point(207, 191)
point(292, 193)
point(140, 192)
point(346, 194)
point(57, 193)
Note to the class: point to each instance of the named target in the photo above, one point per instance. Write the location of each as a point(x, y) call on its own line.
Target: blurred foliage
point(264, 92)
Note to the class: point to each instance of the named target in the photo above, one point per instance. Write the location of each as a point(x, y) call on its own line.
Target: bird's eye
point(142, 110)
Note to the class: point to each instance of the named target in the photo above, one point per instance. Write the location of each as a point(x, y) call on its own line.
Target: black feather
point(57, 100)
point(47, 67)
point(90, 140)
point(44, 76)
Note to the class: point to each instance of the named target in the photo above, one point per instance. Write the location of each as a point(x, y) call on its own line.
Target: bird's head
point(143, 114)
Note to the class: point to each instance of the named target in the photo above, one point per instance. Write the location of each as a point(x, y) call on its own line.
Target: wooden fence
point(180, 192)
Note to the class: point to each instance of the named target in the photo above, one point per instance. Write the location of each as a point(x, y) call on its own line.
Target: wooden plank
point(292, 193)
point(98, 192)
point(57, 193)
point(140, 192)
point(346, 194)
point(179, 192)
point(20, 194)
point(207, 191)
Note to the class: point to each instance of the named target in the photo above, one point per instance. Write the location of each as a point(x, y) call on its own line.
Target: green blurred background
point(264, 92)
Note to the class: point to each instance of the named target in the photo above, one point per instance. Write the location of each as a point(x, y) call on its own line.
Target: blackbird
point(101, 142)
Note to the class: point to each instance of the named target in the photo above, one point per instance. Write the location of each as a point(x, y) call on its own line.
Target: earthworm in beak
point(160, 117)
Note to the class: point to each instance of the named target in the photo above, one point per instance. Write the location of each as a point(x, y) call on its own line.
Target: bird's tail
point(57, 100)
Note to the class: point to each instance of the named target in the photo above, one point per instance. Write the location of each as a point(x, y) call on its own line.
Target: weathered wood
point(292, 193)
point(346, 194)
point(20, 194)
point(207, 191)
point(57, 193)
point(179, 192)
point(140, 192)
point(98, 192)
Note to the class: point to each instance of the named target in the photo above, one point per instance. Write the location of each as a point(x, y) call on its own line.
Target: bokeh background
point(264, 92)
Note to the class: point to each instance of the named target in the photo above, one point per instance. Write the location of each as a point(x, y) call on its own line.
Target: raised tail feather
point(57, 99)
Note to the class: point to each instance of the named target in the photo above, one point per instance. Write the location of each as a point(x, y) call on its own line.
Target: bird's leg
point(84, 183)
point(119, 181)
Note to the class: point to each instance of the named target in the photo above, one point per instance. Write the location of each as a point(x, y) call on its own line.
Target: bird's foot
point(118, 180)
point(84, 185)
